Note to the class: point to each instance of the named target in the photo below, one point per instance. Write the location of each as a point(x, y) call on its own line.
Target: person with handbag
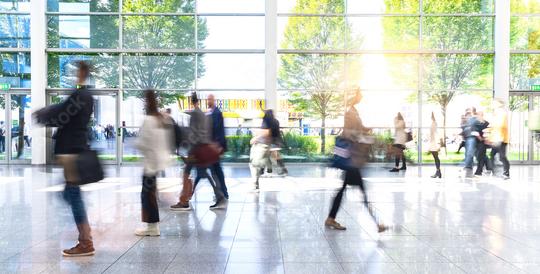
point(154, 142)
point(72, 117)
point(202, 154)
point(400, 139)
point(435, 146)
point(357, 136)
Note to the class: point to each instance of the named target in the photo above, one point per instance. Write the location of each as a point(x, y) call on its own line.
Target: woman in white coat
point(154, 142)
point(435, 146)
point(400, 139)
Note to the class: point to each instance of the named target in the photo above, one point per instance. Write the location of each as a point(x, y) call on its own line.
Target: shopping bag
point(204, 155)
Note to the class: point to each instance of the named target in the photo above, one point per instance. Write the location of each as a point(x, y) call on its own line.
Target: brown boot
point(86, 249)
point(333, 224)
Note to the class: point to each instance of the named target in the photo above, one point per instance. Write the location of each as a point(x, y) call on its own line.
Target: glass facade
point(15, 75)
point(415, 57)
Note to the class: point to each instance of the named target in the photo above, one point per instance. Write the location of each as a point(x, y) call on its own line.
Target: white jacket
point(154, 142)
point(434, 140)
point(400, 136)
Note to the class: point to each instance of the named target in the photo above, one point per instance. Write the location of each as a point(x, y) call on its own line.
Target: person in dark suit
point(72, 117)
point(218, 136)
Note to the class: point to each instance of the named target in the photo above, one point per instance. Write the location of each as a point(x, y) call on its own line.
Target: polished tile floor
point(450, 225)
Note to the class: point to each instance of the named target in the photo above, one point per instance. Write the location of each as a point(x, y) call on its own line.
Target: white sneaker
point(149, 230)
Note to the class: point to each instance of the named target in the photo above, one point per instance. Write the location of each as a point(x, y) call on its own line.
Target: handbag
point(342, 154)
point(204, 155)
point(89, 167)
point(409, 136)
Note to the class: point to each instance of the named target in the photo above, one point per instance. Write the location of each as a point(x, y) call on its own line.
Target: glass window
point(15, 69)
point(458, 33)
point(453, 6)
point(228, 32)
point(448, 108)
point(231, 71)
point(457, 71)
point(383, 33)
point(157, 32)
point(159, 71)
point(382, 71)
point(310, 6)
point(14, 31)
point(165, 6)
point(15, 5)
point(525, 6)
point(70, 31)
point(230, 6)
point(61, 71)
point(310, 32)
point(524, 71)
point(82, 5)
point(311, 71)
point(525, 33)
point(389, 6)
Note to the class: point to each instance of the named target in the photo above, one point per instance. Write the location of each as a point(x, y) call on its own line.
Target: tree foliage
point(162, 71)
point(445, 76)
point(315, 79)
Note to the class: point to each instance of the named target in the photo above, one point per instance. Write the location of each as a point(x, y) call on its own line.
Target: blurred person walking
point(500, 137)
point(400, 139)
point(482, 145)
point(72, 118)
point(471, 137)
point(218, 137)
point(201, 155)
point(259, 156)
point(154, 142)
point(276, 141)
point(276, 146)
point(357, 135)
point(463, 123)
point(435, 146)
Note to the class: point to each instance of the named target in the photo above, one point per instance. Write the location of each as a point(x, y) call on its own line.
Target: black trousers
point(352, 177)
point(436, 158)
point(150, 209)
point(482, 158)
point(501, 149)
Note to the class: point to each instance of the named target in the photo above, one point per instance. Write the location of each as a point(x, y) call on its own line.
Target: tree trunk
point(443, 110)
point(323, 135)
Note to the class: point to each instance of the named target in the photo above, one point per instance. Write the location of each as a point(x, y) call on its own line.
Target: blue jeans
point(470, 151)
point(72, 195)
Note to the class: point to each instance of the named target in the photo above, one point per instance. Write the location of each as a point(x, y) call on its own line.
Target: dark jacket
point(218, 128)
point(72, 117)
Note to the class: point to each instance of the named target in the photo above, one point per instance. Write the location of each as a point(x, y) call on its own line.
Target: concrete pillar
point(38, 32)
point(502, 50)
point(270, 76)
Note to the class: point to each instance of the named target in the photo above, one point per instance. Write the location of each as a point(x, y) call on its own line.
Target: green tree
point(446, 76)
point(161, 71)
point(315, 79)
